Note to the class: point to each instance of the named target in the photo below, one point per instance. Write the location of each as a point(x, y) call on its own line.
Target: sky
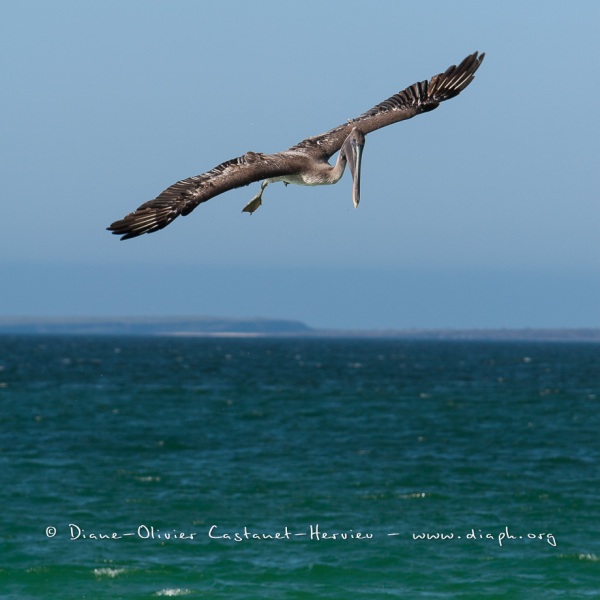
point(481, 214)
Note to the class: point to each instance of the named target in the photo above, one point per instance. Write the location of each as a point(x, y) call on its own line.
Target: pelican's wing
point(182, 197)
point(416, 99)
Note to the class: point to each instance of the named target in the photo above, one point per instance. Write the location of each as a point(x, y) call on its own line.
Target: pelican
point(306, 163)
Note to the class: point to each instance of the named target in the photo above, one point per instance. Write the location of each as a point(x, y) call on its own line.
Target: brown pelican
point(305, 163)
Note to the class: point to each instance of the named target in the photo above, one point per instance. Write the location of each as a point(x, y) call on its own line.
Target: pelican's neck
point(335, 174)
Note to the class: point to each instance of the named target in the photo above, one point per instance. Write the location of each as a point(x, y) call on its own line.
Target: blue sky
point(483, 213)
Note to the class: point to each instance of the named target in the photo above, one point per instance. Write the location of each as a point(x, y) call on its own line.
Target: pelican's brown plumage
point(306, 163)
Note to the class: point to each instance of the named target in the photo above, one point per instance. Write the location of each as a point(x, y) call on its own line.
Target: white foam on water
point(108, 572)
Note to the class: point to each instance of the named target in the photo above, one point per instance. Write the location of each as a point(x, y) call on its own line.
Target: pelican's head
point(353, 148)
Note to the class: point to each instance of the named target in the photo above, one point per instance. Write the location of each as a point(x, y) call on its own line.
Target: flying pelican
point(306, 163)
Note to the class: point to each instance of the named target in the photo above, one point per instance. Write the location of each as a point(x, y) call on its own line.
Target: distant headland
point(263, 327)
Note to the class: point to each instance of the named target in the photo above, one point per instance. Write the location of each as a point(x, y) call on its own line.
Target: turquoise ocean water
point(152, 467)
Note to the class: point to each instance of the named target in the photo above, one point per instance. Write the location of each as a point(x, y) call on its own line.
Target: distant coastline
point(262, 327)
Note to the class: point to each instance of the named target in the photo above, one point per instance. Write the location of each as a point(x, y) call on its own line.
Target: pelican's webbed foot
point(253, 204)
point(256, 201)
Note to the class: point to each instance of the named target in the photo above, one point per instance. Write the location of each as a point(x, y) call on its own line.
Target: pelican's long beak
point(354, 163)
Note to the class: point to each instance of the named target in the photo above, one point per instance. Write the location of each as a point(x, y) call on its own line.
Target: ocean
point(216, 468)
